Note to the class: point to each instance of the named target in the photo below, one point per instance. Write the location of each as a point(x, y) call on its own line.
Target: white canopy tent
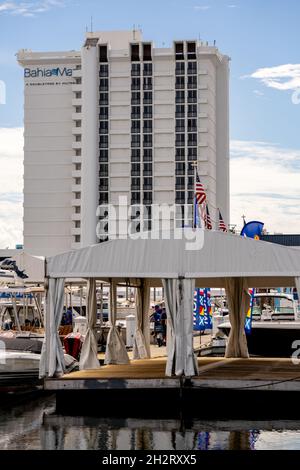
point(219, 260)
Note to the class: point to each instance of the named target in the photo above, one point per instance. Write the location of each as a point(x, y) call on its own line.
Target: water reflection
point(36, 426)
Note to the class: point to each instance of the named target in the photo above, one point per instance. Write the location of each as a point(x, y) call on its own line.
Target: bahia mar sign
point(45, 73)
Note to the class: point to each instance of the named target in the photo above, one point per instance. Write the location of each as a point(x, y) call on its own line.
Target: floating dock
point(219, 389)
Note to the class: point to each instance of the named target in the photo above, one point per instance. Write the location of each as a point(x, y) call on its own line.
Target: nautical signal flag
point(202, 310)
point(222, 225)
point(248, 320)
point(199, 190)
point(207, 219)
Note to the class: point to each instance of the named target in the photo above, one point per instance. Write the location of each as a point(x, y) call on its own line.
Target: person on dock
point(158, 329)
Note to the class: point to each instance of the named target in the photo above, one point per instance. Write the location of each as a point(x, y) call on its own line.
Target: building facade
point(121, 123)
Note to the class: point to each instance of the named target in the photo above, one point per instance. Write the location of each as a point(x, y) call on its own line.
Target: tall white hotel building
point(120, 118)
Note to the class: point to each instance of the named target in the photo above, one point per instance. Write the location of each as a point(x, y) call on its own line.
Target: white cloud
point(258, 93)
point(29, 8)
point(202, 7)
point(11, 186)
point(265, 185)
point(232, 6)
point(282, 77)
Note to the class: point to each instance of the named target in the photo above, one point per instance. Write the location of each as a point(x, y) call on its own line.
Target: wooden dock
point(259, 373)
point(235, 388)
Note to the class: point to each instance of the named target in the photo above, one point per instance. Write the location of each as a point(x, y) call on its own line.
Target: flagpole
point(194, 165)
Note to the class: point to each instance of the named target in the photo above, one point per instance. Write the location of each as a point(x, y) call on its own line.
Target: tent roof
point(220, 255)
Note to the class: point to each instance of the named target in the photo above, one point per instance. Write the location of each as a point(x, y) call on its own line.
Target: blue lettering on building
point(42, 73)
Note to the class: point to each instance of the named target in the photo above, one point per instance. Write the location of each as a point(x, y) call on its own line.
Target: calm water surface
point(34, 425)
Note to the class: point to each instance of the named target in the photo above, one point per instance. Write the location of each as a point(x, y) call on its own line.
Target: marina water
point(35, 425)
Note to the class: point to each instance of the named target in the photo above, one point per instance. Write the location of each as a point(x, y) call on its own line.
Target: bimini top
point(209, 256)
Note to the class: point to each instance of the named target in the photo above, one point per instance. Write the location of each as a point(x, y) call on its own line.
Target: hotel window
point(135, 198)
point(77, 138)
point(191, 169)
point(78, 152)
point(135, 127)
point(135, 140)
point(147, 69)
point(103, 84)
point(147, 140)
point(103, 113)
point(77, 166)
point(103, 170)
point(103, 71)
point(179, 97)
point(191, 195)
point(103, 99)
point(192, 110)
point(103, 127)
point(180, 125)
point(135, 169)
point(103, 184)
point(179, 168)
point(147, 97)
point(78, 95)
point(135, 112)
point(147, 114)
point(180, 154)
point(78, 80)
point(180, 197)
point(135, 69)
point(190, 182)
point(147, 83)
point(147, 198)
point(192, 96)
point(180, 111)
point(180, 68)
point(136, 184)
point(103, 53)
point(180, 183)
point(147, 184)
point(147, 126)
point(135, 53)
point(192, 125)
point(78, 109)
point(77, 238)
point(103, 141)
point(147, 169)
point(147, 155)
point(103, 198)
point(192, 139)
point(103, 156)
point(192, 81)
point(77, 195)
point(192, 153)
point(135, 83)
point(136, 97)
point(192, 68)
point(180, 140)
point(191, 50)
point(179, 82)
point(147, 52)
point(77, 209)
point(135, 155)
point(179, 51)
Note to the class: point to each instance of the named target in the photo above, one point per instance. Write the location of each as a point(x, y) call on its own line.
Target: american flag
point(207, 219)
point(222, 225)
point(199, 190)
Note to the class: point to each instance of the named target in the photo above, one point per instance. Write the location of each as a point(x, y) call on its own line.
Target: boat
point(275, 328)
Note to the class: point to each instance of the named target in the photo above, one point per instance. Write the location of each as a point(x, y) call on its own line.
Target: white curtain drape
point(179, 294)
point(52, 361)
point(141, 346)
point(115, 348)
point(89, 351)
point(238, 304)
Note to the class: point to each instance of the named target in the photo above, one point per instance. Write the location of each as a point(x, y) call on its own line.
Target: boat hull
point(271, 340)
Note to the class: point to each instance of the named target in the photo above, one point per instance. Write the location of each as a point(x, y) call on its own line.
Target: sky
point(260, 36)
